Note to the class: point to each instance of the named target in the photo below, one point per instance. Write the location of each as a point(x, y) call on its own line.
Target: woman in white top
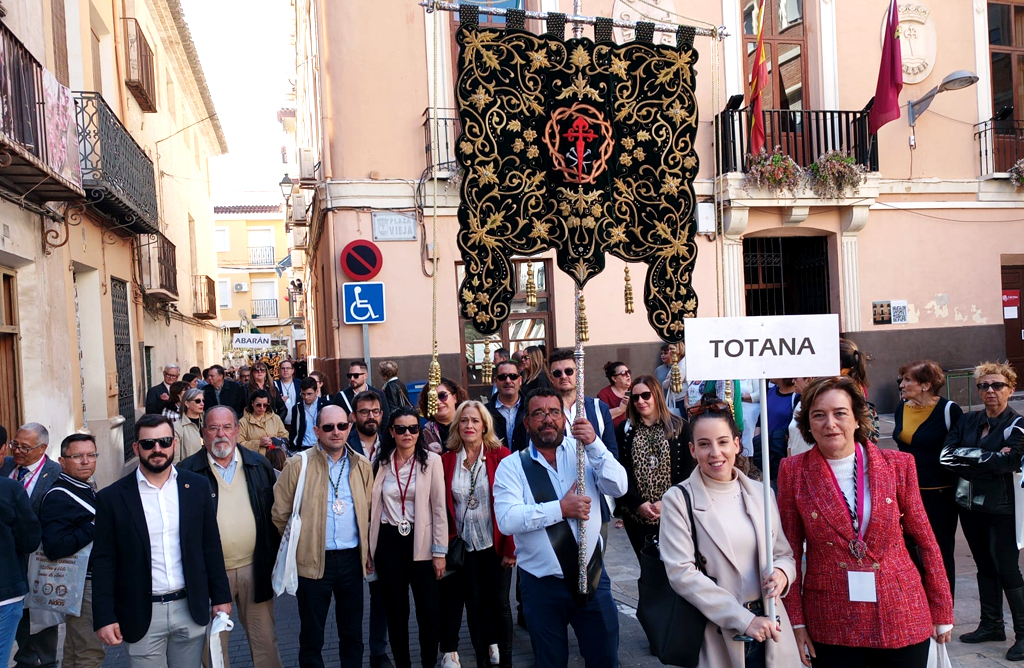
point(482, 584)
point(796, 442)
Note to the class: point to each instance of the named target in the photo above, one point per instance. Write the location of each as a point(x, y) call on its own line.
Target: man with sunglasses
point(167, 519)
point(304, 415)
point(289, 388)
point(29, 465)
point(359, 382)
point(332, 548)
point(505, 406)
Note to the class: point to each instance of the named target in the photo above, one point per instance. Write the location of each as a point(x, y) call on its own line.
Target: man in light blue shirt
point(550, 592)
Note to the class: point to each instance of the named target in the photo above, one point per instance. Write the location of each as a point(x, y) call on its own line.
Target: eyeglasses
point(401, 429)
point(18, 447)
point(621, 373)
point(355, 375)
point(637, 396)
point(148, 444)
point(998, 387)
point(568, 372)
point(91, 456)
point(199, 400)
point(507, 376)
point(552, 414)
point(368, 412)
point(329, 428)
point(443, 396)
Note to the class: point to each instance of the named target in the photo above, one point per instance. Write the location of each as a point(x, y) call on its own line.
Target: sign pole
point(766, 484)
point(366, 353)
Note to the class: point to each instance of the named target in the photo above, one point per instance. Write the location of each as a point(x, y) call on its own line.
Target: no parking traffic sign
point(361, 260)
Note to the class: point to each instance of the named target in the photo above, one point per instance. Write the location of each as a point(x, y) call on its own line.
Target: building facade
point(915, 262)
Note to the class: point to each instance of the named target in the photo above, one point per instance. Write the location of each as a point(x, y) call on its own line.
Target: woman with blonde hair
point(189, 428)
point(534, 370)
point(482, 584)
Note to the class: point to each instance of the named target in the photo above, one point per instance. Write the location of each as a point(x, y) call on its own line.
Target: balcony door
point(1006, 51)
point(264, 299)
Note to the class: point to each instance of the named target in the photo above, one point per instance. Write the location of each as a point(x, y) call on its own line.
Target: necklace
point(858, 548)
point(339, 504)
point(404, 526)
point(471, 501)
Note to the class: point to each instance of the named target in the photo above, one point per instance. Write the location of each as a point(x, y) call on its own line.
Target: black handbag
point(456, 556)
point(674, 626)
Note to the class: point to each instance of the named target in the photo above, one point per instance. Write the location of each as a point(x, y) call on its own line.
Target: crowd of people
point(454, 506)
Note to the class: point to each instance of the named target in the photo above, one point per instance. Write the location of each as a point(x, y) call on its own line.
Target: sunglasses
point(985, 387)
point(507, 376)
point(355, 375)
point(260, 405)
point(148, 444)
point(200, 400)
point(637, 396)
point(621, 373)
point(401, 429)
point(443, 396)
point(558, 373)
point(710, 407)
point(329, 428)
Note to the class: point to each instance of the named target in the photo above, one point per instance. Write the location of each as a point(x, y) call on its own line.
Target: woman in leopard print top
point(654, 450)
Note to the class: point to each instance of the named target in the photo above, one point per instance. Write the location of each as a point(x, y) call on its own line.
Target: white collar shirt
point(227, 473)
point(287, 389)
point(160, 505)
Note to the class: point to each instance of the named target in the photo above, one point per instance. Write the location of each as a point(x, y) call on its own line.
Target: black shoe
point(381, 661)
point(1015, 598)
point(990, 629)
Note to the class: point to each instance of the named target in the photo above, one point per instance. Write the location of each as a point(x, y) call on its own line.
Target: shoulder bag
point(285, 576)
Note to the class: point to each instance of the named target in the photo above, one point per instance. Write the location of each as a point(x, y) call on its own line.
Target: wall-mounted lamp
point(286, 189)
point(955, 81)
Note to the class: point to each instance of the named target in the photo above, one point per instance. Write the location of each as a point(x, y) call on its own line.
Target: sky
point(246, 52)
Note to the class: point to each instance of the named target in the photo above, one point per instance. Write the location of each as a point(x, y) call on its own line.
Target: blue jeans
point(10, 615)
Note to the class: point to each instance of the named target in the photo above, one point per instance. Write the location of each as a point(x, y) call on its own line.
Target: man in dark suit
point(288, 388)
point(29, 465)
point(506, 407)
point(156, 398)
point(301, 434)
point(167, 519)
point(223, 392)
point(359, 381)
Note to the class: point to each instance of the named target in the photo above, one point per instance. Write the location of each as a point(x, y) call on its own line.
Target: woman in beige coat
point(728, 510)
point(259, 425)
point(189, 428)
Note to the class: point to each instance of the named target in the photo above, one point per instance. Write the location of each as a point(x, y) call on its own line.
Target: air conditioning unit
point(299, 207)
point(241, 287)
point(307, 166)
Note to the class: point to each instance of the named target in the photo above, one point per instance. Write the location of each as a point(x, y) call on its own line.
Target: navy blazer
point(154, 404)
point(122, 580)
point(232, 395)
point(520, 439)
point(44, 481)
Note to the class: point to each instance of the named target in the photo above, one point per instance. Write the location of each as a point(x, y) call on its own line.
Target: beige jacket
point(312, 538)
point(429, 537)
point(190, 440)
point(718, 600)
point(251, 429)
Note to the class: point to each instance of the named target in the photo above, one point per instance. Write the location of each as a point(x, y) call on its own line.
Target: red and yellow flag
point(758, 82)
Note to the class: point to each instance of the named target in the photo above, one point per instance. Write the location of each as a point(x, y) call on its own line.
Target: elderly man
point(29, 465)
point(159, 394)
point(223, 392)
point(536, 500)
point(289, 388)
point(242, 484)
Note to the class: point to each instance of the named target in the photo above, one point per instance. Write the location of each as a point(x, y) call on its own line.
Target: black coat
point(520, 439)
point(678, 452)
point(44, 479)
point(67, 524)
point(231, 394)
point(986, 473)
point(19, 537)
point(259, 480)
point(347, 397)
point(154, 404)
point(396, 395)
point(122, 581)
point(297, 428)
point(926, 444)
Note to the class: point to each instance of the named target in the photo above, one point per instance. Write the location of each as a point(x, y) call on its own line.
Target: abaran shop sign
point(251, 341)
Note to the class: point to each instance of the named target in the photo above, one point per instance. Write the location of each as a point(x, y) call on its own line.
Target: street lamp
point(286, 189)
point(955, 81)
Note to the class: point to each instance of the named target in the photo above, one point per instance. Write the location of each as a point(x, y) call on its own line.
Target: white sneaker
point(450, 660)
point(495, 654)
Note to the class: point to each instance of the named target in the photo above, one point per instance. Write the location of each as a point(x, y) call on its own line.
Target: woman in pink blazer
point(862, 601)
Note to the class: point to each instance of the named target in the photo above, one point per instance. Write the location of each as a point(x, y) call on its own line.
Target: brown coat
point(313, 539)
point(718, 599)
point(251, 429)
point(430, 537)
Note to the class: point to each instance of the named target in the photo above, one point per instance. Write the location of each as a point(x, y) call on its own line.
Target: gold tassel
point(629, 293)
point(584, 328)
point(675, 375)
point(531, 286)
point(433, 380)
point(487, 366)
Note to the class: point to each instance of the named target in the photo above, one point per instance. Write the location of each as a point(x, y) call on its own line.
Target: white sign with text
point(251, 341)
point(762, 347)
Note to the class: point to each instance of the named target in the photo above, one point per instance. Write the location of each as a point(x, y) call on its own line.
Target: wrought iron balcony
point(264, 308)
point(297, 307)
point(803, 135)
point(159, 267)
point(140, 77)
point(261, 256)
point(1001, 144)
point(204, 298)
point(38, 137)
point(116, 172)
point(441, 159)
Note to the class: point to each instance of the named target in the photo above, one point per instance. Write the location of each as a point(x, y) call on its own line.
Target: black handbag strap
point(562, 541)
point(697, 558)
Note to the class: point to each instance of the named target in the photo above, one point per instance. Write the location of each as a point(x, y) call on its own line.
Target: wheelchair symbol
point(360, 306)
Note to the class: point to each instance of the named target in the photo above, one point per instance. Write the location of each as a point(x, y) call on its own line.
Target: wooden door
point(1013, 325)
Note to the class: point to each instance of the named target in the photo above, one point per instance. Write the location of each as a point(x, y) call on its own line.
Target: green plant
point(834, 174)
point(773, 171)
point(1017, 173)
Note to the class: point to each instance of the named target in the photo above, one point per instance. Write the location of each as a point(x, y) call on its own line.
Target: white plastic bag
point(285, 577)
point(938, 657)
point(1018, 508)
point(220, 624)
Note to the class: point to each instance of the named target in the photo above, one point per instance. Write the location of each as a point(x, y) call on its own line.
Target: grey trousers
point(82, 648)
point(174, 639)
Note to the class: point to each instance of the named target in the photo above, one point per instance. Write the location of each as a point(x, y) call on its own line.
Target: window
point(785, 46)
point(222, 238)
point(223, 294)
point(140, 77)
point(786, 275)
point(1006, 51)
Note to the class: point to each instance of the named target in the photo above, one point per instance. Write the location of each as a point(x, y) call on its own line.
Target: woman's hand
point(369, 564)
point(647, 509)
point(508, 562)
point(265, 442)
point(775, 584)
point(439, 563)
point(942, 638)
point(804, 646)
point(762, 628)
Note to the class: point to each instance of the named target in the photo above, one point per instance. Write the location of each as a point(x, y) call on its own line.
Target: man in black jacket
point(223, 392)
point(507, 407)
point(67, 515)
point(159, 394)
point(19, 537)
point(242, 481)
point(164, 518)
point(358, 382)
point(304, 412)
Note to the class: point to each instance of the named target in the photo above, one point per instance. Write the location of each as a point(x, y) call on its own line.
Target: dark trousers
point(38, 650)
point(940, 506)
point(343, 577)
point(398, 572)
point(378, 621)
point(993, 542)
point(638, 533)
point(837, 656)
point(551, 609)
point(482, 587)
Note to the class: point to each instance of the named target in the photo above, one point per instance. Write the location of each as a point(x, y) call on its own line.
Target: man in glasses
point(332, 548)
point(242, 481)
point(536, 500)
point(159, 394)
point(167, 519)
point(29, 466)
point(505, 406)
point(358, 382)
point(288, 388)
point(304, 415)
point(67, 515)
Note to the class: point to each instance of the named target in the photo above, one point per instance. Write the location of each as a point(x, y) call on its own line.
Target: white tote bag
point(938, 656)
point(285, 577)
point(1018, 507)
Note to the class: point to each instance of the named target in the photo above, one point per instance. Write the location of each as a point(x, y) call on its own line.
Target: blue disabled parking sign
point(363, 303)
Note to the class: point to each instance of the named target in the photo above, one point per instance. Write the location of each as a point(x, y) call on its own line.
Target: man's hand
point(508, 562)
point(583, 431)
point(575, 506)
point(164, 397)
point(369, 564)
point(223, 607)
point(110, 635)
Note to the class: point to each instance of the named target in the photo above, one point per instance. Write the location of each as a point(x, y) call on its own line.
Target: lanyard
point(860, 475)
point(28, 480)
point(408, 480)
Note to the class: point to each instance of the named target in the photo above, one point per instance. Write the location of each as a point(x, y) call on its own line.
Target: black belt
point(756, 607)
point(170, 596)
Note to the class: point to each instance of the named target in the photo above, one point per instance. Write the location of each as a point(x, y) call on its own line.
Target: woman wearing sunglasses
point(654, 450)
point(616, 395)
point(409, 534)
point(259, 426)
point(437, 429)
point(260, 380)
point(189, 428)
point(984, 449)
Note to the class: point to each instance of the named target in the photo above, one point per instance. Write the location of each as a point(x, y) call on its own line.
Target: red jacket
point(503, 545)
point(812, 510)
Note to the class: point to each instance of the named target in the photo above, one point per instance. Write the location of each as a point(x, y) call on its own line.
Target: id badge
point(862, 586)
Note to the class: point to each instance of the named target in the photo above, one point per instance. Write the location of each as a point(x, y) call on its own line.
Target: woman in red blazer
point(482, 584)
point(861, 602)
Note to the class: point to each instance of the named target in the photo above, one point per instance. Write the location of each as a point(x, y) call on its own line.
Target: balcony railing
point(1001, 144)
point(204, 298)
point(116, 172)
point(803, 135)
point(159, 267)
point(264, 308)
point(261, 256)
point(442, 157)
point(297, 306)
point(140, 77)
point(38, 158)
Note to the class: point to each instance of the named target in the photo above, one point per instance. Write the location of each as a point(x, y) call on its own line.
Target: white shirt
point(288, 394)
point(392, 496)
point(160, 504)
point(845, 469)
point(474, 525)
point(32, 477)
